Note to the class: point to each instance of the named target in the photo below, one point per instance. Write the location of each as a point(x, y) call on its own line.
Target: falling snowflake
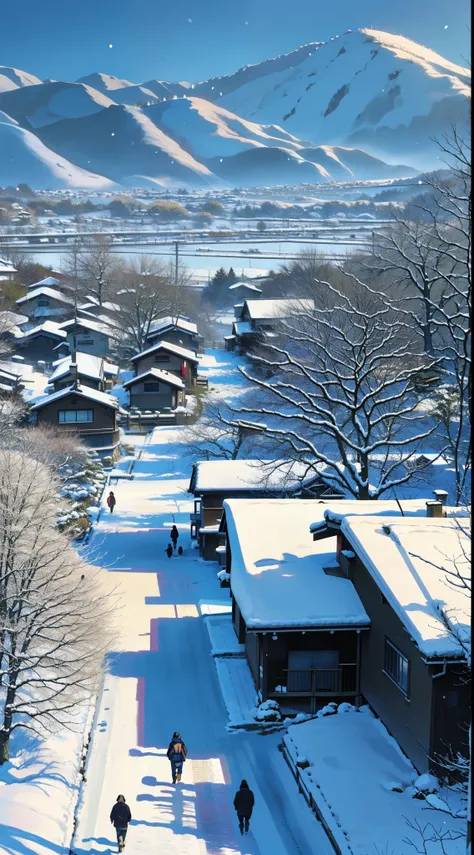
point(446, 26)
point(190, 20)
point(112, 134)
point(110, 45)
point(221, 160)
point(246, 23)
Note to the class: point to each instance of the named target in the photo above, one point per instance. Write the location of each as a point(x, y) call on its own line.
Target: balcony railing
point(314, 682)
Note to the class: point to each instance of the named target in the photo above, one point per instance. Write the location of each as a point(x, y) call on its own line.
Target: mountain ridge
point(364, 100)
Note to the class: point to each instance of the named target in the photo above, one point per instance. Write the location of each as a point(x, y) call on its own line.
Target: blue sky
point(184, 40)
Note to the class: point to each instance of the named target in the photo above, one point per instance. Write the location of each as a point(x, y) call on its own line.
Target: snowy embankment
point(39, 789)
point(365, 788)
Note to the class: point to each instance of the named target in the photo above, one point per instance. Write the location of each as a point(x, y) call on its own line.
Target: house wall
point(451, 713)
point(407, 719)
point(39, 347)
point(66, 381)
point(173, 365)
point(175, 336)
point(104, 417)
point(165, 397)
point(89, 341)
point(252, 652)
point(55, 309)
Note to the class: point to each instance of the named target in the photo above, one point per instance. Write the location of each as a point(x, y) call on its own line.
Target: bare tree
point(146, 294)
point(98, 267)
point(54, 609)
point(216, 436)
point(428, 259)
point(342, 391)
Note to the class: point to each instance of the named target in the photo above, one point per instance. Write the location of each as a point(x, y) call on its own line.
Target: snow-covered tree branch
point(339, 387)
point(54, 608)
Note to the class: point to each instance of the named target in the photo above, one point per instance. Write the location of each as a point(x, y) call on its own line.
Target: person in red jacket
point(120, 816)
point(111, 501)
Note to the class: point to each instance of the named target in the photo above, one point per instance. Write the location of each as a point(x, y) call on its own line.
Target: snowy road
point(162, 678)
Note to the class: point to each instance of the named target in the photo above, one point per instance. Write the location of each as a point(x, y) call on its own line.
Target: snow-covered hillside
point(43, 104)
point(193, 141)
point(375, 90)
point(364, 105)
point(13, 78)
point(25, 158)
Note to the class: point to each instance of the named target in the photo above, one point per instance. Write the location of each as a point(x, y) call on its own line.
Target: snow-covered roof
point(6, 267)
point(91, 325)
point(334, 513)
point(44, 291)
point(162, 376)
point(241, 327)
point(83, 392)
point(87, 365)
point(12, 318)
point(172, 348)
point(47, 328)
point(273, 309)
point(403, 556)
point(168, 323)
point(277, 574)
point(49, 281)
point(255, 475)
point(247, 285)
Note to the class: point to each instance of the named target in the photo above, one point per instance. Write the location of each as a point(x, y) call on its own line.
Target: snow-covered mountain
point(13, 78)
point(354, 107)
point(190, 140)
point(45, 103)
point(378, 91)
point(25, 158)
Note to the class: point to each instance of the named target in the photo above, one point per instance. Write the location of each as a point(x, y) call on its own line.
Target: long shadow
point(14, 841)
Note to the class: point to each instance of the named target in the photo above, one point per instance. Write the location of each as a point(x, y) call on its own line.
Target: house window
point(162, 357)
point(75, 416)
point(151, 387)
point(86, 341)
point(396, 666)
point(44, 302)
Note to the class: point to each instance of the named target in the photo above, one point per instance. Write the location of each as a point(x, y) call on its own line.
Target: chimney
point(434, 509)
point(73, 369)
point(441, 496)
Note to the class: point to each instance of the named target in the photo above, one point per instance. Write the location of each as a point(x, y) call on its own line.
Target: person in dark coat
point(180, 550)
point(111, 501)
point(243, 803)
point(120, 816)
point(174, 535)
point(169, 550)
point(177, 752)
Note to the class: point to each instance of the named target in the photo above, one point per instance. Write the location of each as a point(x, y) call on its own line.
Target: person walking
point(177, 753)
point(120, 816)
point(111, 501)
point(243, 802)
point(174, 536)
point(169, 550)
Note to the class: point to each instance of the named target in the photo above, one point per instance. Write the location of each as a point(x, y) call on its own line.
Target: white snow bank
point(355, 769)
point(38, 793)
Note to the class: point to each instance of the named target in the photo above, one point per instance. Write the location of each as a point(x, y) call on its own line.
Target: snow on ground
point(162, 677)
point(38, 792)
point(354, 765)
point(222, 635)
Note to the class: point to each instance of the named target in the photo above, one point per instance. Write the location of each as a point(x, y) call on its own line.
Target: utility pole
point(176, 261)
